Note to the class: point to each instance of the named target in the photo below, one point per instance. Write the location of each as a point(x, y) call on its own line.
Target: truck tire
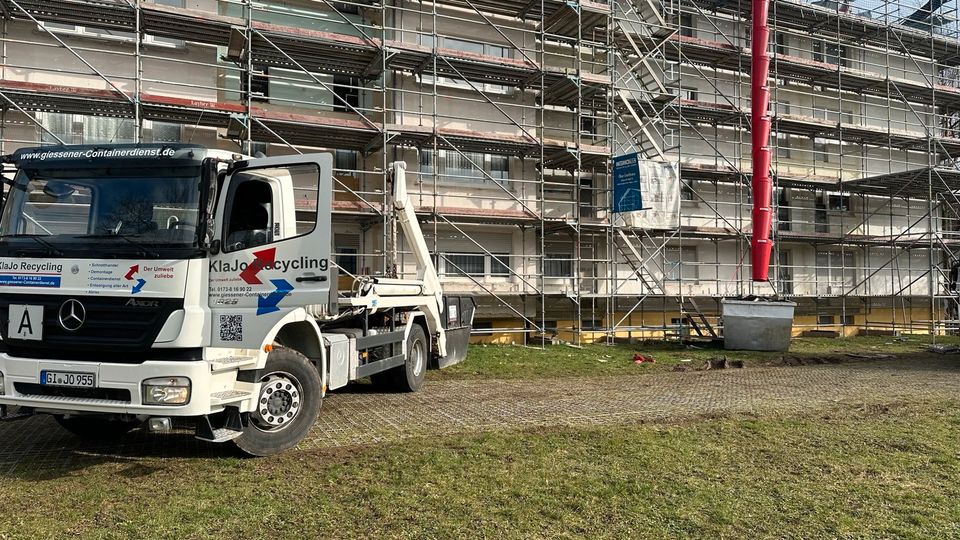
point(95, 428)
point(410, 376)
point(288, 404)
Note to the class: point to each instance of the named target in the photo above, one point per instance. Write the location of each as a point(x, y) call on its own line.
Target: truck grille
point(111, 326)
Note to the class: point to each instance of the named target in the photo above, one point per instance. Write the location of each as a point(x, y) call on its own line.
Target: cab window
point(250, 216)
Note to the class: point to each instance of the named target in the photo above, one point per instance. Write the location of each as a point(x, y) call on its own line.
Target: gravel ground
point(360, 416)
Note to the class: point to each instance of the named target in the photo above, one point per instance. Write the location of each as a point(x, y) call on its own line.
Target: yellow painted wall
point(875, 319)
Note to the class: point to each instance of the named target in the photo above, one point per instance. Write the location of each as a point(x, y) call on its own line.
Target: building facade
point(507, 114)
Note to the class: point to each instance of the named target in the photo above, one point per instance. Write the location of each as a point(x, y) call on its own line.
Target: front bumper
point(22, 387)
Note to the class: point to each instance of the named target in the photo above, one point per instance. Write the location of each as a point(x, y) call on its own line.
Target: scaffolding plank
point(106, 14)
point(194, 25)
point(722, 113)
point(718, 55)
point(576, 19)
point(809, 17)
point(912, 183)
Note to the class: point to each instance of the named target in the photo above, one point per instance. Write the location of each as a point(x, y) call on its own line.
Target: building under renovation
point(508, 114)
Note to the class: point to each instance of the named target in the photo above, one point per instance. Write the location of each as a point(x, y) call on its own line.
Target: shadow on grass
point(37, 448)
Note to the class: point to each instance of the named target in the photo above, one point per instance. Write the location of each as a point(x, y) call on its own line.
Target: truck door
point(273, 233)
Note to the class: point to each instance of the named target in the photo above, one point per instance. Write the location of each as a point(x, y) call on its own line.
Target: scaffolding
point(509, 112)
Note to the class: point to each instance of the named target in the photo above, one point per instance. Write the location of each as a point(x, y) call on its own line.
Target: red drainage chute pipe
point(761, 245)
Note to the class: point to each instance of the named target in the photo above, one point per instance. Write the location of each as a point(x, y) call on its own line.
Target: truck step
point(228, 396)
point(220, 435)
point(229, 363)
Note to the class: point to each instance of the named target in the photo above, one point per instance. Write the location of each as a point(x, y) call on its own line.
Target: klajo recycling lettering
point(283, 265)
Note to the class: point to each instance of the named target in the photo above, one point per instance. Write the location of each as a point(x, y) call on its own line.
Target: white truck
point(168, 284)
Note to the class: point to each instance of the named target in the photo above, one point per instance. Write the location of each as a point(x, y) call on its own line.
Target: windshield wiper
point(51, 250)
point(144, 252)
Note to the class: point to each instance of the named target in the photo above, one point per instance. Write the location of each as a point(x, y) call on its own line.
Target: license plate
point(67, 378)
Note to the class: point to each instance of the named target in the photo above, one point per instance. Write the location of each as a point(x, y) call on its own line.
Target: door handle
point(301, 279)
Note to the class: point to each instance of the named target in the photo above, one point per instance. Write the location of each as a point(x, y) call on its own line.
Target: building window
point(485, 49)
point(783, 146)
point(680, 263)
point(821, 220)
point(783, 43)
point(462, 165)
point(499, 264)
point(259, 85)
point(453, 166)
point(345, 162)
point(783, 211)
point(344, 7)
point(558, 265)
point(295, 87)
point(688, 25)
point(825, 319)
point(347, 92)
point(689, 92)
point(257, 149)
point(591, 324)
point(836, 271)
point(426, 163)
point(347, 248)
point(475, 264)
point(587, 209)
point(848, 320)
point(831, 53)
point(785, 272)
point(500, 167)
point(80, 129)
point(687, 190)
point(839, 202)
point(467, 264)
point(163, 131)
point(822, 150)
point(482, 328)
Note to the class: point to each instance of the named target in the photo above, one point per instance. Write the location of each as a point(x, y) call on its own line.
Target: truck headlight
point(166, 391)
point(1, 384)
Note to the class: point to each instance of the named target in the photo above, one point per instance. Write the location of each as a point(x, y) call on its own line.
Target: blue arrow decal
point(268, 304)
point(139, 286)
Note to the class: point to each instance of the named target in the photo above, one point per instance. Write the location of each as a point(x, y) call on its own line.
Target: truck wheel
point(410, 376)
point(287, 407)
point(93, 428)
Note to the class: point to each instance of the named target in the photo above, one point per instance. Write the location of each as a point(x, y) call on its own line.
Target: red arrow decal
point(133, 270)
point(261, 260)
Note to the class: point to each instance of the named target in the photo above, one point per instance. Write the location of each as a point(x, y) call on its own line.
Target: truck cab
point(171, 284)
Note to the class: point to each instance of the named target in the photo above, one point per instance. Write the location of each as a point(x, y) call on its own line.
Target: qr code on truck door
point(231, 328)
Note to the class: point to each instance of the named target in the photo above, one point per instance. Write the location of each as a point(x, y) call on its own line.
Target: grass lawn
point(507, 362)
point(882, 471)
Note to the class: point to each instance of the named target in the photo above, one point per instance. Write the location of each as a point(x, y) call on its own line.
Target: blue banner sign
point(626, 184)
point(29, 280)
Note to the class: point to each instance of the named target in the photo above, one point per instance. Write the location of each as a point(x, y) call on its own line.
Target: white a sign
point(26, 322)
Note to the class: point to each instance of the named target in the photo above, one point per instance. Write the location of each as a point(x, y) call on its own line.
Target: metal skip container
point(757, 325)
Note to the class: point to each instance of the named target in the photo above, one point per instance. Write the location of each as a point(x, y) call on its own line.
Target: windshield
point(121, 211)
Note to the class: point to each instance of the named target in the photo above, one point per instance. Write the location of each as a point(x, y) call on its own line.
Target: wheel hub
point(279, 402)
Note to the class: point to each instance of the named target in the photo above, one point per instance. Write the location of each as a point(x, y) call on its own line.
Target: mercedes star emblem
point(72, 315)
